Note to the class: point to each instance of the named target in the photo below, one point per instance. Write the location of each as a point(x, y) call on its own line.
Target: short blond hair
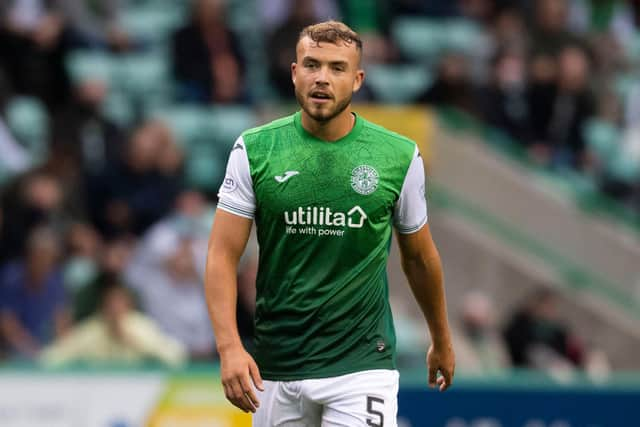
point(332, 32)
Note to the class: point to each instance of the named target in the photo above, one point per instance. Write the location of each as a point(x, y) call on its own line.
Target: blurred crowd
point(108, 178)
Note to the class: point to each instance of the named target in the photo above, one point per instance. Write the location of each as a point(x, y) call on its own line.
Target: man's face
point(325, 77)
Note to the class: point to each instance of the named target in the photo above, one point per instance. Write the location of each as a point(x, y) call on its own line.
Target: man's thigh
point(282, 404)
point(362, 399)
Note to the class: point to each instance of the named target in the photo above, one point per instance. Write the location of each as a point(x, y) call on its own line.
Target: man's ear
point(357, 83)
point(293, 72)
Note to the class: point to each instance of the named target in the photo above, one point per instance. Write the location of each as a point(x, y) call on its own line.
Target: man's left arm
point(421, 264)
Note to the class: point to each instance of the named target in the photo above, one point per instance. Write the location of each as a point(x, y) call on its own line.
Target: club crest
point(364, 179)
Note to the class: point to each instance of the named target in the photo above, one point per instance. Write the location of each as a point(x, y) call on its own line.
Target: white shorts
point(367, 399)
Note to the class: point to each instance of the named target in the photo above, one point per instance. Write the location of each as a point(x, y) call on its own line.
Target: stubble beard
point(322, 116)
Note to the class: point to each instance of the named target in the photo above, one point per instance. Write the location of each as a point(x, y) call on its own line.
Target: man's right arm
point(238, 370)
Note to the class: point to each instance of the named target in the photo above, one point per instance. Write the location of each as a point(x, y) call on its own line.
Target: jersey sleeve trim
point(235, 209)
point(409, 230)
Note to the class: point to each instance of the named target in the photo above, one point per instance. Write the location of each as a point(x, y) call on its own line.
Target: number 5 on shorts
point(379, 415)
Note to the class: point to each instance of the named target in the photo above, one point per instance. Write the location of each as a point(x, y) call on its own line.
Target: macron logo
point(285, 177)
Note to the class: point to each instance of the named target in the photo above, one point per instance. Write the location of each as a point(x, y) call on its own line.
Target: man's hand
point(441, 359)
point(240, 374)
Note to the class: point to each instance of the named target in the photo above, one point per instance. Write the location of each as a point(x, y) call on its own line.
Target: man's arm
point(17, 335)
point(237, 368)
point(421, 264)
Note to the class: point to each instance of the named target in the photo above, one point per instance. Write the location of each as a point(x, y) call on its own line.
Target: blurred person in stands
point(33, 48)
point(560, 102)
point(551, 31)
point(537, 338)
point(274, 13)
point(33, 199)
point(33, 308)
point(452, 86)
point(80, 268)
point(504, 102)
point(509, 30)
point(116, 334)
point(133, 193)
point(480, 349)
point(84, 141)
point(207, 58)
point(113, 258)
point(95, 24)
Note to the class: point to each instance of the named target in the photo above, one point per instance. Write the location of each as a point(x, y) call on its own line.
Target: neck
point(330, 130)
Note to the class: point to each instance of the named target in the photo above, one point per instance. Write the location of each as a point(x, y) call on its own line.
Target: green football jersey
point(324, 213)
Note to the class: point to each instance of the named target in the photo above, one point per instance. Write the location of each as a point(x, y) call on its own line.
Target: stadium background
point(116, 119)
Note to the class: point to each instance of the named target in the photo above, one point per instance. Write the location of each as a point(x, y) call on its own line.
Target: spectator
point(509, 32)
point(117, 334)
point(85, 141)
point(35, 29)
point(32, 297)
point(274, 13)
point(112, 261)
point(560, 108)
point(207, 60)
point(504, 101)
point(94, 24)
point(129, 196)
point(536, 338)
point(550, 28)
point(80, 266)
point(34, 199)
point(452, 86)
point(167, 270)
point(479, 347)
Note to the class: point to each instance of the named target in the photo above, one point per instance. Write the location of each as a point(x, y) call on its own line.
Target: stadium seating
point(425, 39)
point(398, 84)
point(28, 120)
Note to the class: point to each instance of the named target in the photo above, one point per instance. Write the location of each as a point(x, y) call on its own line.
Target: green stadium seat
point(28, 120)
point(602, 138)
point(206, 134)
point(424, 39)
point(463, 35)
point(398, 84)
point(206, 128)
point(226, 123)
point(204, 168)
point(118, 108)
point(623, 84)
point(189, 123)
point(145, 78)
point(624, 166)
point(419, 39)
point(154, 23)
point(632, 47)
point(85, 64)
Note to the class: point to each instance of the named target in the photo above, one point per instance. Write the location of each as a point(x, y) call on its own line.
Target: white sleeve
point(236, 192)
point(410, 213)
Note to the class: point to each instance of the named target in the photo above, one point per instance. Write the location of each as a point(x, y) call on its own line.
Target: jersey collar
point(351, 136)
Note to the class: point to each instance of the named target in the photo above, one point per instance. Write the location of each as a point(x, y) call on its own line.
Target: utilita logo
point(322, 216)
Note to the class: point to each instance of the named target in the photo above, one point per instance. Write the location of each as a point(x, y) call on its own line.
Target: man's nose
point(322, 76)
